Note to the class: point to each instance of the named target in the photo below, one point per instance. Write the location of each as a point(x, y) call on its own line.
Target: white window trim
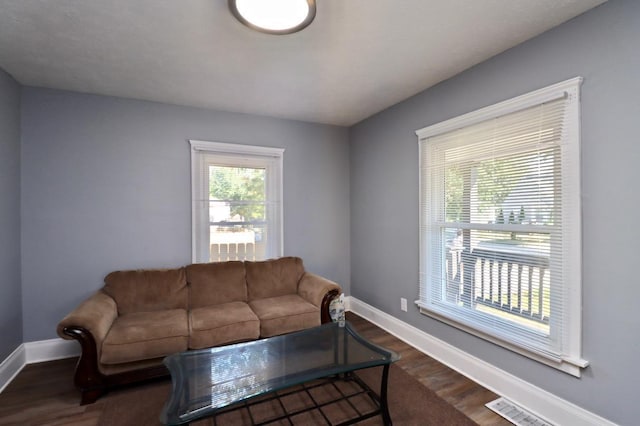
point(251, 151)
point(571, 361)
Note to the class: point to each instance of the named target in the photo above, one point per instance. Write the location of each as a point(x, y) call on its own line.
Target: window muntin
point(500, 215)
point(237, 202)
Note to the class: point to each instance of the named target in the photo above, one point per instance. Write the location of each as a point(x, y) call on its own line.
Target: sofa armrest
point(318, 291)
point(89, 324)
point(96, 315)
point(313, 288)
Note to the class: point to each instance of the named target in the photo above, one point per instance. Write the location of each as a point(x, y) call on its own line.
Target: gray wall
point(601, 46)
point(106, 186)
point(10, 292)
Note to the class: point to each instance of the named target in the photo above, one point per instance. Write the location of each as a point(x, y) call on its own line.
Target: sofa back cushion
point(147, 290)
point(272, 278)
point(216, 283)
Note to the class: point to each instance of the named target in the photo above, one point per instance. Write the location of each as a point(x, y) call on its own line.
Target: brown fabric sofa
point(128, 326)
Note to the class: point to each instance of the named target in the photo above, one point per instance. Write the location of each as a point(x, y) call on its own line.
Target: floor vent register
point(515, 414)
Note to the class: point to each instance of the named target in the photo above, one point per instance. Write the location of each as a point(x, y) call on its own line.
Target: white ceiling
point(357, 58)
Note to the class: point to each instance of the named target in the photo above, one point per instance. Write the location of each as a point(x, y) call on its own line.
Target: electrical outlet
point(403, 304)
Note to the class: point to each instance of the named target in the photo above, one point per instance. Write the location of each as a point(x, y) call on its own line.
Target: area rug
point(410, 403)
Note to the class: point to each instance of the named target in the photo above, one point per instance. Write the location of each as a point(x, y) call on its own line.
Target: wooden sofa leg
point(91, 395)
point(88, 379)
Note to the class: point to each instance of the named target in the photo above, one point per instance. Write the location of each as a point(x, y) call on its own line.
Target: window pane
point(506, 274)
point(454, 190)
point(237, 213)
point(237, 242)
point(515, 189)
point(245, 186)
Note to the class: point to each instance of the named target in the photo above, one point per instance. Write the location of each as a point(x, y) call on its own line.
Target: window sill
point(569, 365)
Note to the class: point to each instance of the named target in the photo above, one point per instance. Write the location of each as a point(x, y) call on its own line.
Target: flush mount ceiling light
point(274, 16)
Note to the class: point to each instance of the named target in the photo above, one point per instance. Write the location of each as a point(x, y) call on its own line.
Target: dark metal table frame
point(311, 380)
point(380, 401)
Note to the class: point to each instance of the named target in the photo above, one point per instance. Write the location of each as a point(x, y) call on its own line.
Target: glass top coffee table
point(209, 382)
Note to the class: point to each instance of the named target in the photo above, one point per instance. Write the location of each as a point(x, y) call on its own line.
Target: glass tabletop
point(204, 381)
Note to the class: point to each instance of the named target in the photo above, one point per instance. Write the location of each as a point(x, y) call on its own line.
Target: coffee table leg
point(384, 407)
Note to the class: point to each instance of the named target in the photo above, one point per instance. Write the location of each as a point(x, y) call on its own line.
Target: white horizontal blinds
point(492, 226)
point(200, 206)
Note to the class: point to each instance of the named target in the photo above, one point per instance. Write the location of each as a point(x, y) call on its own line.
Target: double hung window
point(236, 202)
point(500, 243)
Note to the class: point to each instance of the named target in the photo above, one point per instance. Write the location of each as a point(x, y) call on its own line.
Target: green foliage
point(496, 179)
point(242, 187)
point(453, 194)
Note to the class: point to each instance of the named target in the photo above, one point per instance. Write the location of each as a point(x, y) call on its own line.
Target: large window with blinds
point(500, 244)
point(236, 202)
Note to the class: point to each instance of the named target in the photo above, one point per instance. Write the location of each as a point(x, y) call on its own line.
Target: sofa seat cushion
point(144, 335)
point(222, 324)
point(284, 314)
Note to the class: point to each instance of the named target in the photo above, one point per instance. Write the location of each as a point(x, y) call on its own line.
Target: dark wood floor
point(43, 394)
point(466, 395)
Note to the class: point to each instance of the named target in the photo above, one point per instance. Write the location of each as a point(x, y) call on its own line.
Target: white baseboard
point(534, 399)
point(49, 350)
point(11, 366)
point(33, 352)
